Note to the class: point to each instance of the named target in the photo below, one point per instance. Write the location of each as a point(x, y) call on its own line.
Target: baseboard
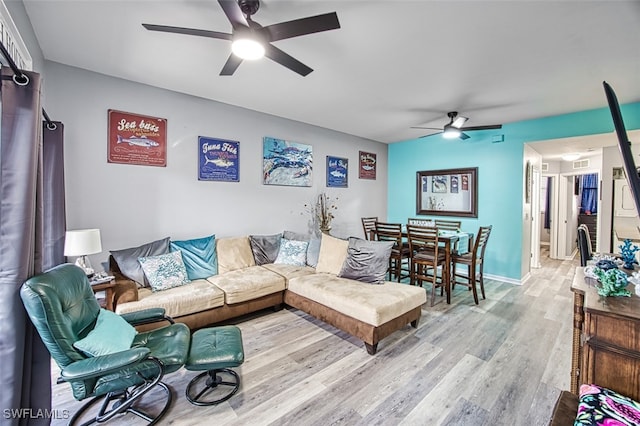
point(500, 278)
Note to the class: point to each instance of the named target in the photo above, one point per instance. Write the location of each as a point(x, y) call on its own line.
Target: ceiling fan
point(454, 128)
point(251, 40)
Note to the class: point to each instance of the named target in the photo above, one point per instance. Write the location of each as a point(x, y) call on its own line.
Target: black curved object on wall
point(624, 145)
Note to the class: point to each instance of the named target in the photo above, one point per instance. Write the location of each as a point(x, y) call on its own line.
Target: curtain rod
point(22, 79)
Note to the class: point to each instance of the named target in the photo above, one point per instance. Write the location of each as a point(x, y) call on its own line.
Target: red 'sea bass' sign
point(137, 139)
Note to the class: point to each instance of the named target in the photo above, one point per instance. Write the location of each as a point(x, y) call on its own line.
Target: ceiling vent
point(581, 164)
point(545, 167)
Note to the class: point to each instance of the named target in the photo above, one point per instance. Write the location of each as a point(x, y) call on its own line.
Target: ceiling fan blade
point(488, 127)
point(303, 26)
point(464, 136)
point(286, 60)
point(187, 31)
point(458, 121)
point(430, 134)
point(232, 64)
point(234, 13)
point(428, 128)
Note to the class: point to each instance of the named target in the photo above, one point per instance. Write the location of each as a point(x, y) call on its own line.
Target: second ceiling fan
point(251, 40)
point(454, 128)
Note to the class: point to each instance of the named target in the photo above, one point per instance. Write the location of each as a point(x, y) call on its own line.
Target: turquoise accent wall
point(500, 175)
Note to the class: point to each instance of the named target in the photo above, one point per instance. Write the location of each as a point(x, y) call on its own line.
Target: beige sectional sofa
point(367, 311)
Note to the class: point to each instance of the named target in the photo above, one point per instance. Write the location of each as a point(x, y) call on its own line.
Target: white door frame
point(535, 217)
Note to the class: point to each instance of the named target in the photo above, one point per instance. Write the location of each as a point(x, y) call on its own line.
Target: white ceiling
point(392, 65)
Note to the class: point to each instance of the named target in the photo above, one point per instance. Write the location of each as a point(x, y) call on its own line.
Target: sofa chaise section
point(366, 311)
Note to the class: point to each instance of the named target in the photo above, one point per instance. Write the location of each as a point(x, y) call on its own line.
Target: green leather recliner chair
point(63, 309)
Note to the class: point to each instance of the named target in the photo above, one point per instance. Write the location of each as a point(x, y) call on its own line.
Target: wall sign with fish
point(137, 139)
point(337, 172)
point(218, 159)
point(367, 165)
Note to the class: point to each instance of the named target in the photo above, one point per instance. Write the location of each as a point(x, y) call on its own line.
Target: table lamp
point(81, 243)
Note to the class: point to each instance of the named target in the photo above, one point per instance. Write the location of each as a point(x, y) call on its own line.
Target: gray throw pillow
point(367, 261)
point(127, 259)
point(313, 252)
point(297, 236)
point(265, 248)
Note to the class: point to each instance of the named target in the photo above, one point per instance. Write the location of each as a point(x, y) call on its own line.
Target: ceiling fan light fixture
point(451, 132)
point(571, 156)
point(247, 48)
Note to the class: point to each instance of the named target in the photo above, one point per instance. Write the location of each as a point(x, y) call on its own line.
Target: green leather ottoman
point(215, 351)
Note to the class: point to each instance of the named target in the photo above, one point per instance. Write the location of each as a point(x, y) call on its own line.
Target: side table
point(107, 287)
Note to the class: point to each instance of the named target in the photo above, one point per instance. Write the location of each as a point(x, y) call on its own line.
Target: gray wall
point(136, 204)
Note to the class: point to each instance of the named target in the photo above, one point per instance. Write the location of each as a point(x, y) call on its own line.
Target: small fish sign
point(137, 139)
point(337, 172)
point(367, 165)
point(218, 159)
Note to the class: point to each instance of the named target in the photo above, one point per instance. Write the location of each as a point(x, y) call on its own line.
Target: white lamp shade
point(82, 242)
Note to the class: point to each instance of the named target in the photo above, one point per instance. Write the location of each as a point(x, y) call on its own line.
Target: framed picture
point(136, 139)
point(439, 184)
point(450, 192)
point(286, 163)
point(337, 172)
point(218, 159)
point(367, 164)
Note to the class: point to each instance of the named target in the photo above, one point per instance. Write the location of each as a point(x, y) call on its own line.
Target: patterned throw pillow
point(292, 252)
point(601, 406)
point(164, 271)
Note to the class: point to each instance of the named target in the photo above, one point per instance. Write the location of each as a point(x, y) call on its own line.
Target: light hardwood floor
point(500, 363)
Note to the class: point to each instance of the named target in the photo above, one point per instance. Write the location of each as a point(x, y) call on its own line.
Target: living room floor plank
point(502, 362)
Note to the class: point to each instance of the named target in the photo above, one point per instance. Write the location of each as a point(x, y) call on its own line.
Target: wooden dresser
point(606, 339)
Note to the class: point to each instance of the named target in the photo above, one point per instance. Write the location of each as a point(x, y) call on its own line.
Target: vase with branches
point(322, 211)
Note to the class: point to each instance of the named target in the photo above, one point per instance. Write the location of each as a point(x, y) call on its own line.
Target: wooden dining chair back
point(369, 227)
point(426, 257)
point(448, 225)
point(420, 222)
point(475, 264)
point(400, 254)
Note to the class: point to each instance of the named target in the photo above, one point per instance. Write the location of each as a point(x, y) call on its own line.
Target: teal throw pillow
point(164, 271)
point(111, 334)
point(292, 252)
point(199, 256)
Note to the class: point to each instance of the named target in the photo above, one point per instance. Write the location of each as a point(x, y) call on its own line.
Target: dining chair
point(420, 222)
point(448, 225)
point(584, 244)
point(399, 262)
point(474, 260)
point(369, 226)
point(426, 254)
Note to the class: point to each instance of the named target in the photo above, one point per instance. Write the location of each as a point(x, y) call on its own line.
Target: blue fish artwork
point(286, 163)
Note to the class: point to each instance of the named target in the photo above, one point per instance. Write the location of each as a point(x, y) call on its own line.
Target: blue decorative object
point(628, 252)
point(605, 265)
point(613, 282)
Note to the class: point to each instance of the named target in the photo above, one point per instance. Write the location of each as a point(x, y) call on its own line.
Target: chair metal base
point(120, 403)
point(223, 382)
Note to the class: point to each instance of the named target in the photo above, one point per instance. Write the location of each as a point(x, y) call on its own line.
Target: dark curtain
point(589, 198)
point(53, 194)
point(26, 248)
point(547, 205)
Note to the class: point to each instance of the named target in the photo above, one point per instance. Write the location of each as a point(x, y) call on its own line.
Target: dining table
point(448, 239)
